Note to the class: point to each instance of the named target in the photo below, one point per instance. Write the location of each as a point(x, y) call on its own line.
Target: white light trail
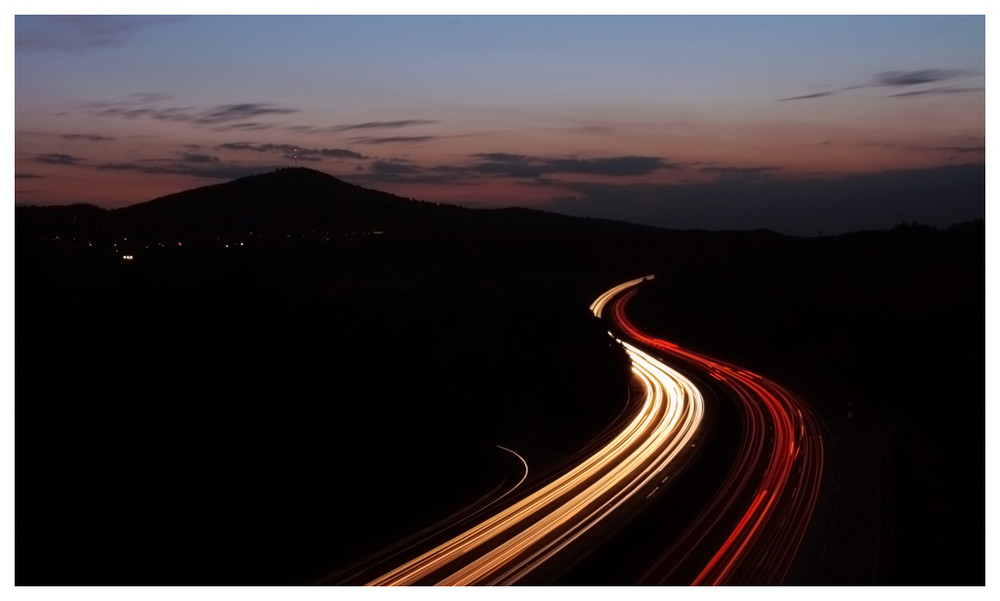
point(598, 305)
point(507, 546)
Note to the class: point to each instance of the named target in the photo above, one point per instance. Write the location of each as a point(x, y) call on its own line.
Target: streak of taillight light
point(783, 411)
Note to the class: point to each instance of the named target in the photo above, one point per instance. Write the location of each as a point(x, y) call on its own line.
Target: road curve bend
point(752, 529)
point(506, 547)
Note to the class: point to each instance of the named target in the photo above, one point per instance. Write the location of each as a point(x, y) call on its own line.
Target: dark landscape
point(293, 373)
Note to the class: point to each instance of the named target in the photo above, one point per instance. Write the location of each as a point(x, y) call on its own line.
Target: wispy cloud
point(898, 79)
point(522, 166)
point(382, 124)
point(73, 33)
point(943, 91)
point(287, 150)
point(744, 174)
point(194, 157)
point(58, 158)
point(529, 169)
point(237, 112)
point(393, 168)
point(130, 100)
point(901, 79)
point(86, 137)
point(211, 170)
point(358, 127)
point(807, 96)
point(962, 149)
point(396, 139)
point(221, 117)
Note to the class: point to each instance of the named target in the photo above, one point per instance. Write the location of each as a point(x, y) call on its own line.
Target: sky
point(800, 124)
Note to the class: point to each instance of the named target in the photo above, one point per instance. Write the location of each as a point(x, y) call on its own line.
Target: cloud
point(223, 117)
point(393, 167)
point(915, 78)
point(289, 150)
point(135, 99)
point(210, 170)
point(250, 126)
point(396, 140)
point(136, 110)
point(807, 96)
point(499, 164)
point(962, 149)
point(189, 161)
point(740, 173)
point(237, 112)
point(27, 176)
point(80, 32)
point(522, 166)
point(404, 172)
point(86, 137)
point(901, 79)
point(972, 146)
point(56, 158)
point(368, 125)
point(194, 157)
point(943, 91)
point(382, 124)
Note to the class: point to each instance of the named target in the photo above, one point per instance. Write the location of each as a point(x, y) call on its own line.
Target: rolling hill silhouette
point(283, 200)
point(300, 204)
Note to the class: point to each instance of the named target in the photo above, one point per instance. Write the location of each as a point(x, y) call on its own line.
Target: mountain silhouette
point(301, 205)
point(282, 201)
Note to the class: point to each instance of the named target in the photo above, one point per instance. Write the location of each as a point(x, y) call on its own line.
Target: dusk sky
point(677, 121)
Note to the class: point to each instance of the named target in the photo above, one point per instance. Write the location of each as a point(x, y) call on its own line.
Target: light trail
point(506, 547)
point(748, 533)
point(523, 478)
point(598, 305)
point(771, 491)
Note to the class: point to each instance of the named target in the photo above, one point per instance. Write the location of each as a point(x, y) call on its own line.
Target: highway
point(752, 529)
point(748, 533)
point(556, 518)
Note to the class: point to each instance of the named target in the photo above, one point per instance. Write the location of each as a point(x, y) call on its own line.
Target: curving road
point(748, 533)
point(752, 529)
point(557, 518)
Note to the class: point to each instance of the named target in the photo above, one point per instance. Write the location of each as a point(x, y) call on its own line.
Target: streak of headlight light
point(598, 305)
point(622, 468)
point(669, 387)
point(523, 477)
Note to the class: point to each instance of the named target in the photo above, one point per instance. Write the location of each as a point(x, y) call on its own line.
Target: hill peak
point(288, 200)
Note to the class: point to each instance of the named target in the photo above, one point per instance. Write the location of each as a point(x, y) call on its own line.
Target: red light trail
point(773, 488)
point(748, 533)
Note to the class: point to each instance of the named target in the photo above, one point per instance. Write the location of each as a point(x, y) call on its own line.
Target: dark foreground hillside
point(259, 418)
point(229, 408)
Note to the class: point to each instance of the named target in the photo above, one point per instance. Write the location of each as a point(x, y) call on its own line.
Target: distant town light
point(127, 257)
